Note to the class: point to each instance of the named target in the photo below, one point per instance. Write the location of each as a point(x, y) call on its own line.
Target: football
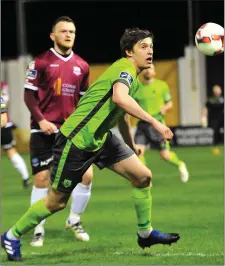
point(209, 39)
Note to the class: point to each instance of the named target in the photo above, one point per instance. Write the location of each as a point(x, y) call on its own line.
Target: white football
point(209, 39)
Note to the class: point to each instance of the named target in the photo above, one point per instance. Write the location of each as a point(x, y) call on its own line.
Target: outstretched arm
point(129, 105)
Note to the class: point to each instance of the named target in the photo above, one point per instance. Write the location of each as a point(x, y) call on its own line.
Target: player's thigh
point(56, 200)
point(42, 179)
point(7, 140)
point(117, 156)
point(69, 165)
point(133, 170)
point(41, 156)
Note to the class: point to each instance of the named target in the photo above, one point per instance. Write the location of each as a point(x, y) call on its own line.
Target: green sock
point(174, 159)
point(142, 200)
point(142, 159)
point(34, 215)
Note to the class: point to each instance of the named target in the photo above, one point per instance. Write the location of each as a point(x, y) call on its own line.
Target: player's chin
point(68, 45)
point(148, 64)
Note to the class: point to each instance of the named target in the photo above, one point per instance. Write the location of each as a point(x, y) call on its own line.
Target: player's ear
point(129, 53)
point(52, 36)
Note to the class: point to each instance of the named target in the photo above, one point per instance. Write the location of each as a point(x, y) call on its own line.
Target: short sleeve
point(124, 76)
point(32, 75)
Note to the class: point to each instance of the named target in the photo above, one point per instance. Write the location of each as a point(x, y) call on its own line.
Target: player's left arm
point(85, 81)
point(167, 99)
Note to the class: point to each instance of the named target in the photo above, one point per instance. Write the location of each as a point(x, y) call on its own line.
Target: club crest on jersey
point(31, 74)
point(67, 183)
point(76, 70)
point(126, 76)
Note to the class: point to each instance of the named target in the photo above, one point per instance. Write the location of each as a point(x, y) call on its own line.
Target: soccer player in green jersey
point(154, 97)
point(3, 112)
point(85, 138)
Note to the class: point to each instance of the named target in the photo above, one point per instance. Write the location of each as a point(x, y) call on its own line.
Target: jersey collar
point(60, 56)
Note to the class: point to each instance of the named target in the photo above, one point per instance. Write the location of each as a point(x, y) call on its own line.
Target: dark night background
point(100, 25)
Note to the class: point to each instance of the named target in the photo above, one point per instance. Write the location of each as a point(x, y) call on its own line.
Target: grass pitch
point(195, 210)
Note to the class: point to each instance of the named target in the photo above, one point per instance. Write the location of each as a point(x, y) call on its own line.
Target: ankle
point(145, 233)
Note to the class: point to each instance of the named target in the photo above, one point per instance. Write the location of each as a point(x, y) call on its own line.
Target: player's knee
point(56, 200)
point(88, 176)
point(42, 179)
point(165, 155)
point(145, 180)
point(55, 206)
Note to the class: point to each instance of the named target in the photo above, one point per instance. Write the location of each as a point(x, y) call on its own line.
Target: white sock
point(146, 233)
point(39, 229)
point(11, 236)
point(80, 197)
point(19, 164)
point(36, 195)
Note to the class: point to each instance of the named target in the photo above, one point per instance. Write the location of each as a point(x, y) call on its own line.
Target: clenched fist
point(166, 133)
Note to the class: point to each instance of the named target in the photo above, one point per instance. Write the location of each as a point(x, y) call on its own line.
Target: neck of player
point(146, 81)
point(62, 51)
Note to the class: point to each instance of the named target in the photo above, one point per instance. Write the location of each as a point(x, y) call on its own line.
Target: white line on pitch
point(188, 254)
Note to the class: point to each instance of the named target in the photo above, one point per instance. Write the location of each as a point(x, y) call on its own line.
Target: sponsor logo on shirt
point(76, 70)
point(31, 74)
point(46, 162)
point(35, 162)
point(64, 89)
point(68, 89)
point(54, 65)
point(126, 76)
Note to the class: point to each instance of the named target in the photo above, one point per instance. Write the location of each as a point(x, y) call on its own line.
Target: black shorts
point(7, 139)
point(41, 156)
point(70, 163)
point(147, 135)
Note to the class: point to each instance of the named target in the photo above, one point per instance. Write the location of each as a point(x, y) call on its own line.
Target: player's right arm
point(129, 105)
point(31, 100)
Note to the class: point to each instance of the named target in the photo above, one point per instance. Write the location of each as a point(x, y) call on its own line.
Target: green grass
point(195, 210)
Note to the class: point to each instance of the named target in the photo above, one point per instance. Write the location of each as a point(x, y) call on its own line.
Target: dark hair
point(63, 18)
point(131, 37)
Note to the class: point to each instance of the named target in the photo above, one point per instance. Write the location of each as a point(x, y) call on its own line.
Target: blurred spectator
point(213, 115)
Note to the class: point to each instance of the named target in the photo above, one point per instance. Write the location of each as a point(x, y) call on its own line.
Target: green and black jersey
point(96, 114)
